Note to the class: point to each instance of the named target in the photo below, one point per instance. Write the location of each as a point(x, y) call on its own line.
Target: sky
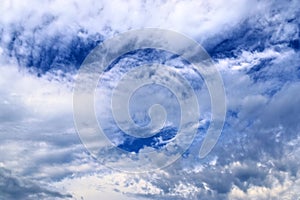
point(253, 44)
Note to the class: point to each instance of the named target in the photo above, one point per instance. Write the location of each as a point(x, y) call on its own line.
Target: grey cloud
point(14, 188)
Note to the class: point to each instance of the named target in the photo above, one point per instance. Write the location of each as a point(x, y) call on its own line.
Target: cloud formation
point(13, 187)
point(255, 45)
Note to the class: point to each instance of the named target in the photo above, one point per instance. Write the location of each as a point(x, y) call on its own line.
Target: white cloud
point(38, 139)
point(108, 186)
point(195, 18)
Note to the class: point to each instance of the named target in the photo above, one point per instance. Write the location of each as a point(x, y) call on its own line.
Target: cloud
point(13, 187)
point(98, 16)
point(54, 35)
point(255, 46)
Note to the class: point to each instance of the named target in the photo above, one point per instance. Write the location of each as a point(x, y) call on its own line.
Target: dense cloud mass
point(17, 188)
point(255, 46)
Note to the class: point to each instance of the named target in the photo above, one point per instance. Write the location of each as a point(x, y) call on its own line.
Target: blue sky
point(254, 45)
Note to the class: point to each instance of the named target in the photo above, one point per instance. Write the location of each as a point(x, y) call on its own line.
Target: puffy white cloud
point(194, 17)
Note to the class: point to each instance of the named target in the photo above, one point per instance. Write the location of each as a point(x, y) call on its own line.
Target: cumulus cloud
point(99, 17)
point(255, 46)
point(55, 30)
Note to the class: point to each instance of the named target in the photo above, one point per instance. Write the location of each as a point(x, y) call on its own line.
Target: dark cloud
point(13, 188)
